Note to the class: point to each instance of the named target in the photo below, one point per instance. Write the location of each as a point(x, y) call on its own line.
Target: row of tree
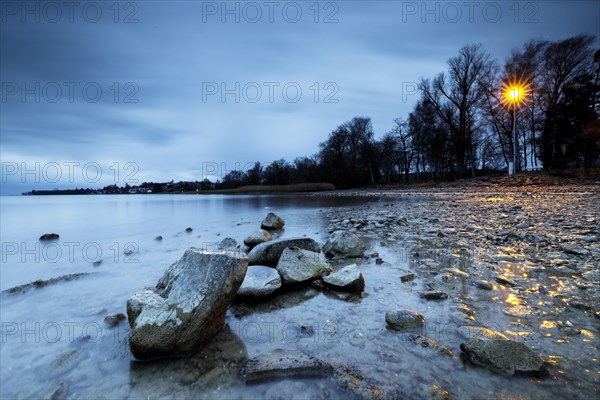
point(462, 124)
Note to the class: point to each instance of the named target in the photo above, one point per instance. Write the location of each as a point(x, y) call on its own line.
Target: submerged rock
point(272, 222)
point(59, 392)
point(400, 319)
point(260, 282)
point(352, 380)
point(283, 364)
point(40, 283)
point(114, 320)
point(348, 279)
point(49, 236)
point(429, 344)
point(503, 355)
point(299, 266)
point(187, 307)
point(257, 238)
point(268, 253)
point(474, 332)
point(343, 244)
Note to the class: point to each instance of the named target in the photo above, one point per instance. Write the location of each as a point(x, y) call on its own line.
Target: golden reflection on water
point(548, 324)
point(586, 333)
point(513, 300)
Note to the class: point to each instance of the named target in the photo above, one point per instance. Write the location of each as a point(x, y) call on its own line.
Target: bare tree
point(457, 99)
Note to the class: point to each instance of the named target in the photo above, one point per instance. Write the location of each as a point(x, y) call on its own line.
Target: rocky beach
point(498, 297)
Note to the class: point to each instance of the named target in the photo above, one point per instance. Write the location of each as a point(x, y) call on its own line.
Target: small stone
point(158, 238)
point(401, 319)
point(97, 263)
point(407, 278)
point(114, 320)
point(483, 284)
point(227, 244)
point(349, 279)
point(505, 281)
point(430, 344)
point(189, 229)
point(433, 295)
point(272, 222)
point(260, 282)
point(257, 238)
point(49, 236)
point(457, 272)
point(570, 249)
point(378, 261)
point(343, 244)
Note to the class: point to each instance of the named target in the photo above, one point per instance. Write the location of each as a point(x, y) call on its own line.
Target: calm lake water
point(57, 333)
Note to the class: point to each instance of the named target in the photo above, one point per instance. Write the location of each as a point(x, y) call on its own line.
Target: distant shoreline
point(526, 182)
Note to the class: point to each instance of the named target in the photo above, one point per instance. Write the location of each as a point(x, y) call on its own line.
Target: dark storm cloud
point(367, 63)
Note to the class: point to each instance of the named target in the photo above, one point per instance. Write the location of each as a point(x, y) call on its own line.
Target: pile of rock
point(188, 305)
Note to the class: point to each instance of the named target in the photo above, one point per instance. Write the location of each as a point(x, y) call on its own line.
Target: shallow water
point(57, 333)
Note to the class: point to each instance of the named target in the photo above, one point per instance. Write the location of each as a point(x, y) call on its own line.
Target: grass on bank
point(294, 188)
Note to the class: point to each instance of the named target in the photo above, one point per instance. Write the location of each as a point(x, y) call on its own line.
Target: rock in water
point(283, 363)
point(503, 355)
point(433, 295)
point(481, 332)
point(260, 281)
point(429, 344)
point(349, 279)
point(268, 253)
point(187, 307)
point(343, 244)
point(400, 319)
point(49, 236)
point(257, 238)
point(272, 222)
point(483, 284)
point(114, 320)
point(228, 244)
point(297, 266)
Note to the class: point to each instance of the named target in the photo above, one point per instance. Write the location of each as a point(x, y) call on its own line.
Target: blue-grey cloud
point(154, 74)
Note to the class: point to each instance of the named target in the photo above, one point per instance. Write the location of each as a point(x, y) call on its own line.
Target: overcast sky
point(161, 91)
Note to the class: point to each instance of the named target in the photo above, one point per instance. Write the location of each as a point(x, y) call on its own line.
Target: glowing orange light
point(514, 93)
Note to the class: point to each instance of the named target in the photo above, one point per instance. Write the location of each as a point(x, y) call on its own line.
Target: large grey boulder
point(187, 307)
point(348, 279)
point(258, 237)
point(343, 244)
point(268, 253)
point(298, 266)
point(272, 222)
point(260, 282)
